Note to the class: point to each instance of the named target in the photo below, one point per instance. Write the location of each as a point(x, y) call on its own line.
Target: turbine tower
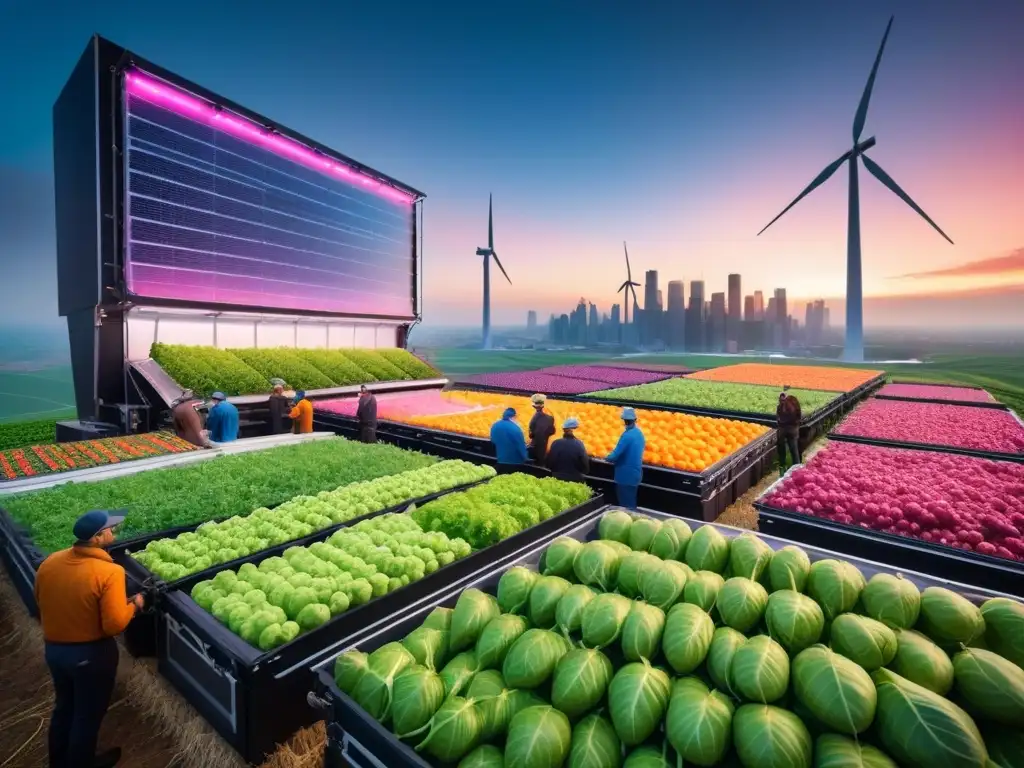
point(854, 347)
point(488, 253)
point(626, 288)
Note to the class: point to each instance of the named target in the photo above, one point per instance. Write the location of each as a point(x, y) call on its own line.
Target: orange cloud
point(1012, 262)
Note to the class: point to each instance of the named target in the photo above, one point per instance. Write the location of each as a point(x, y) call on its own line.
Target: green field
point(36, 394)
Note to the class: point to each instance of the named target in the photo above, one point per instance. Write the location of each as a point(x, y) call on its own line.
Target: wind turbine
point(628, 286)
point(488, 253)
point(854, 348)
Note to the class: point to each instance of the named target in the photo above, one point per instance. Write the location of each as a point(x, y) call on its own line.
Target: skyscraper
point(759, 305)
point(531, 320)
point(616, 318)
point(695, 330)
point(782, 316)
point(676, 315)
point(718, 322)
point(748, 309)
point(593, 330)
point(650, 329)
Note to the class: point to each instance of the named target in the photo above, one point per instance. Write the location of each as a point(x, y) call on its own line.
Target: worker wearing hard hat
point(541, 429)
point(628, 458)
point(508, 440)
point(567, 457)
point(222, 421)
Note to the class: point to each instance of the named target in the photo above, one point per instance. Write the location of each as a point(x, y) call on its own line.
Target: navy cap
point(94, 521)
point(509, 413)
point(300, 395)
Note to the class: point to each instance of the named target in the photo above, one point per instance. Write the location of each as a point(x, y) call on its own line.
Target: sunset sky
point(682, 128)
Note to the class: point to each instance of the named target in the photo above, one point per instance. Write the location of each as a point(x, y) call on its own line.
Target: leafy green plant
point(408, 362)
point(372, 362)
point(337, 367)
point(206, 370)
point(24, 433)
point(746, 398)
point(287, 364)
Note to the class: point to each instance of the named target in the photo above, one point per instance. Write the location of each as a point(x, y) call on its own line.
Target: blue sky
point(680, 127)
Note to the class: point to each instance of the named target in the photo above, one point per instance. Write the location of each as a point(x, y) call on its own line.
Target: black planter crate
point(257, 699)
point(363, 741)
point(21, 558)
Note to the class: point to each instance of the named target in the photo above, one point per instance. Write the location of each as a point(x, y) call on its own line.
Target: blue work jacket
point(223, 423)
point(509, 443)
point(628, 456)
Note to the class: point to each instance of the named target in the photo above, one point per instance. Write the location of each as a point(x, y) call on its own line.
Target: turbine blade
point(623, 287)
point(501, 268)
point(820, 179)
point(629, 272)
point(862, 109)
point(490, 223)
point(876, 170)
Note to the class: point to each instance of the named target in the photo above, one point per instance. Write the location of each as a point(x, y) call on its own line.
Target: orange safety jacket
point(81, 596)
point(302, 415)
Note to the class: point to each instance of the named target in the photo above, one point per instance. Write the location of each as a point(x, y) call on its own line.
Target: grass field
point(36, 394)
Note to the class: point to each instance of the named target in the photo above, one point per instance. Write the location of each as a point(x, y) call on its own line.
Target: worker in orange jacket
point(302, 414)
point(83, 606)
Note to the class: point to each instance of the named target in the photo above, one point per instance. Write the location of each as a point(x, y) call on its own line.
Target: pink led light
point(169, 97)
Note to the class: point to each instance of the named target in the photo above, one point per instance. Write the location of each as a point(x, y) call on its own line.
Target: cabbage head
point(892, 600)
point(683, 535)
point(544, 598)
point(724, 644)
point(348, 668)
point(620, 549)
point(538, 737)
point(453, 731)
point(708, 550)
point(493, 703)
point(687, 637)
point(497, 637)
point(647, 756)
point(699, 722)
point(865, 641)
point(665, 544)
point(921, 661)
point(569, 612)
point(630, 568)
point(760, 670)
point(615, 526)
point(604, 618)
point(702, 589)
point(641, 634)
point(642, 533)
point(794, 620)
point(532, 658)
point(1005, 745)
point(521, 699)
point(514, 588)
point(595, 744)
point(741, 603)
point(580, 681)
point(637, 699)
point(416, 695)
point(749, 556)
point(918, 727)
point(373, 691)
point(663, 586)
point(789, 569)
point(473, 610)
point(949, 619)
point(836, 586)
point(484, 756)
point(838, 692)
point(439, 618)
point(1004, 628)
point(559, 556)
point(459, 672)
point(597, 565)
point(771, 737)
point(834, 751)
point(992, 687)
point(428, 646)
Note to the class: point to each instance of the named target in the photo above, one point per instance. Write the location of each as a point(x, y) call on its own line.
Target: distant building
point(748, 309)
point(531, 320)
point(695, 316)
point(675, 315)
point(650, 328)
point(735, 307)
point(815, 323)
point(616, 317)
point(782, 316)
point(595, 320)
point(718, 319)
point(758, 305)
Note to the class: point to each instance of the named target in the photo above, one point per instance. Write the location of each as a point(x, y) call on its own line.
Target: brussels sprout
point(665, 544)
point(484, 756)
point(892, 600)
point(741, 603)
point(473, 610)
point(496, 638)
point(312, 616)
point(837, 691)
point(538, 737)
point(615, 525)
point(441, 618)
point(271, 637)
point(702, 589)
point(493, 703)
point(595, 744)
point(749, 556)
point(834, 751)
point(603, 619)
point(921, 661)
point(416, 695)
point(943, 734)
point(724, 644)
point(683, 535)
point(993, 687)
point(373, 691)
point(339, 603)
point(454, 730)
point(544, 599)
point(760, 670)
point(532, 658)
point(237, 616)
point(794, 620)
point(559, 557)
point(949, 619)
point(770, 737)
point(663, 586)
point(348, 669)
point(699, 722)
point(637, 699)
point(708, 550)
point(569, 612)
point(867, 642)
point(620, 549)
point(630, 568)
point(521, 699)
point(597, 565)
point(687, 637)
point(641, 633)
point(253, 627)
point(642, 533)
point(836, 586)
point(1004, 628)
point(789, 569)
point(459, 672)
point(289, 631)
point(647, 757)
point(580, 681)
point(514, 589)
point(428, 646)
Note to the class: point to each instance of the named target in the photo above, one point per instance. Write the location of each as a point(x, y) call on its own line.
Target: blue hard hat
point(509, 413)
point(218, 396)
point(300, 394)
point(94, 521)
point(628, 414)
point(571, 423)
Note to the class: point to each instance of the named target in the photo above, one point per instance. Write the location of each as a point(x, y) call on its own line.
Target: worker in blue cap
point(83, 606)
point(628, 458)
point(567, 457)
point(222, 421)
point(509, 442)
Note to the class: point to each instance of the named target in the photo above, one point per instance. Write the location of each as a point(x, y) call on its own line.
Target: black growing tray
point(21, 558)
point(1017, 458)
point(257, 699)
point(352, 733)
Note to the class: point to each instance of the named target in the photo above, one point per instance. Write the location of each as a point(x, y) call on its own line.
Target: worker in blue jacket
point(628, 458)
point(222, 421)
point(509, 443)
